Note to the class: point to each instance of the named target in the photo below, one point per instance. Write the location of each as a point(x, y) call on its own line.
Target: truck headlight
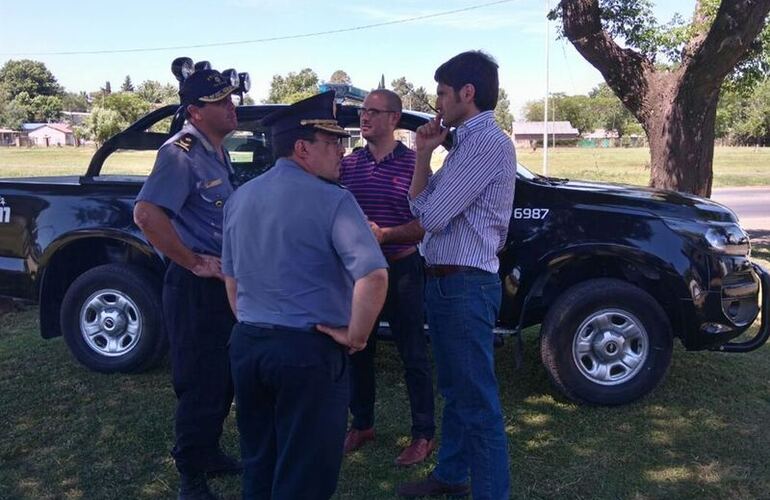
point(721, 237)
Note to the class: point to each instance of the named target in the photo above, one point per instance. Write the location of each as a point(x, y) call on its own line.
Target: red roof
point(61, 127)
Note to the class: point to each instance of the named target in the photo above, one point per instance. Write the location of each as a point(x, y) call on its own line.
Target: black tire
point(606, 342)
point(112, 319)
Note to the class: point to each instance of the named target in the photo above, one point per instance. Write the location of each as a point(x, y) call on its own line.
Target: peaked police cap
point(314, 113)
point(207, 85)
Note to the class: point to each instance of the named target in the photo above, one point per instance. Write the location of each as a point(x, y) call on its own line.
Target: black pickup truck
point(612, 273)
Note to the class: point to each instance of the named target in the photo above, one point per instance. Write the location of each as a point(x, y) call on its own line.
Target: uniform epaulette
point(186, 142)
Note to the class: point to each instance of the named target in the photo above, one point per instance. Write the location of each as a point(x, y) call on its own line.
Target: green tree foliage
point(416, 99)
point(29, 93)
point(610, 114)
point(27, 76)
point(40, 108)
point(102, 124)
point(293, 87)
point(599, 109)
point(155, 92)
point(75, 101)
point(13, 114)
point(744, 117)
point(107, 89)
point(128, 105)
point(503, 114)
point(340, 76)
point(128, 85)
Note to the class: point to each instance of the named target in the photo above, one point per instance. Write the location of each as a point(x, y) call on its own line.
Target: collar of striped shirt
point(471, 125)
point(397, 151)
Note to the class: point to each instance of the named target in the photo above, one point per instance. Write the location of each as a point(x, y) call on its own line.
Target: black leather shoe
point(220, 464)
point(194, 487)
point(432, 487)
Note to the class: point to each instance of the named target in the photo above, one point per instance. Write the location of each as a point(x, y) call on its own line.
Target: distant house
point(601, 138)
point(8, 137)
point(49, 134)
point(529, 134)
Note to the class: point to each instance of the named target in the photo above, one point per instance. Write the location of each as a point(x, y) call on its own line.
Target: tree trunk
point(676, 106)
point(680, 123)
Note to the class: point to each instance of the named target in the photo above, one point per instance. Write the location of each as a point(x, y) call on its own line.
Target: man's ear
point(193, 112)
point(395, 117)
point(300, 148)
point(468, 92)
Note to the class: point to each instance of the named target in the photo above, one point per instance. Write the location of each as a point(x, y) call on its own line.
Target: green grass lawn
point(70, 433)
point(732, 166)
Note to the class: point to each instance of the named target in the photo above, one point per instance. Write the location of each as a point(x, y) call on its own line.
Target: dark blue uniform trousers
point(404, 310)
point(291, 390)
point(198, 321)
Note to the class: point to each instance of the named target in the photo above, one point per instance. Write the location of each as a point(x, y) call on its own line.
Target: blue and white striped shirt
point(466, 206)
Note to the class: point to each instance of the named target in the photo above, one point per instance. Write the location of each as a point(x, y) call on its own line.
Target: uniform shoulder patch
point(186, 142)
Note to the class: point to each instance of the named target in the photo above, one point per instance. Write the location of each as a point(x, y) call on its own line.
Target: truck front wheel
point(112, 319)
point(606, 342)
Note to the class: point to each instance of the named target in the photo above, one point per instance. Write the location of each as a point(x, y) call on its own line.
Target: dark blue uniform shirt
point(295, 245)
point(192, 184)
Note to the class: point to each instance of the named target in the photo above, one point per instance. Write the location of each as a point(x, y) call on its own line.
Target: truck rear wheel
point(606, 342)
point(112, 319)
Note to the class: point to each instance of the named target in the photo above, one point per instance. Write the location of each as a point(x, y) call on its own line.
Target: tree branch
point(735, 27)
point(625, 70)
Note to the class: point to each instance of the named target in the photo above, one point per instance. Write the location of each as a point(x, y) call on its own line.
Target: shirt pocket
point(214, 192)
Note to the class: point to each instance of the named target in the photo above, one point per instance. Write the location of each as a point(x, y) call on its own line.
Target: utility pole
point(545, 106)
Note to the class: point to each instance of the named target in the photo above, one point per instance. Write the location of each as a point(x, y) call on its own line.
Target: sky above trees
point(513, 32)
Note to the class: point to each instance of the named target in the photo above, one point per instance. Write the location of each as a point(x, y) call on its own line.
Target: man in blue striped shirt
point(465, 209)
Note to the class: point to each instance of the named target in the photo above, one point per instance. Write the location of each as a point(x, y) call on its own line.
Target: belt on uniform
point(269, 326)
point(441, 270)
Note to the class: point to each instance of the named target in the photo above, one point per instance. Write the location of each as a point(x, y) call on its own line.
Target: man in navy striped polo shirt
point(465, 209)
point(379, 176)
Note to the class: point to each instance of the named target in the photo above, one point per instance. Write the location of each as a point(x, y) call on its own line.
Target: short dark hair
point(283, 144)
point(478, 69)
point(393, 100)
point(197, 104)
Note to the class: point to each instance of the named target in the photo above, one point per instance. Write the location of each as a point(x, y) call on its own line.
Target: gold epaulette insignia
point(185, 142)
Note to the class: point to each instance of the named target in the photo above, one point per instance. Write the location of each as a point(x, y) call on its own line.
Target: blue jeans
point(462, 309)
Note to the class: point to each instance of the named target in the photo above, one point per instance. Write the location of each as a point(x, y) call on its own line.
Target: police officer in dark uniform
point(180, 210)
point(307, 280)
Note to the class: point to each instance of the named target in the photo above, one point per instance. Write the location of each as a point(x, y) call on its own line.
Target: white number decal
point(5, 212)
point(531, 213)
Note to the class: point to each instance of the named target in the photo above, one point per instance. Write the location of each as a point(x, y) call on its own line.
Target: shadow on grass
point(71, 433)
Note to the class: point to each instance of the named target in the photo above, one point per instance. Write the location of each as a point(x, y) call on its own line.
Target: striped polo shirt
point(382, 188)
point(466, 206)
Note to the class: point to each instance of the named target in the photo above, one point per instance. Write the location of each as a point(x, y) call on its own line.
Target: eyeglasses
point(373, 112)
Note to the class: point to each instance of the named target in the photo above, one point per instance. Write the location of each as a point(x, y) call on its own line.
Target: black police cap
point(207, 85)
point(314, 113)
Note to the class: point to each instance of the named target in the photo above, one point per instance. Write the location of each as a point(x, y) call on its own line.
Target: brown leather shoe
point(432, 487)
point(419, 450)
point(356, 438)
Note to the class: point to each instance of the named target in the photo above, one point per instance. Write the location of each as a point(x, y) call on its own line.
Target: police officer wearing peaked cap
point(307, 280)
point(180, 210)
